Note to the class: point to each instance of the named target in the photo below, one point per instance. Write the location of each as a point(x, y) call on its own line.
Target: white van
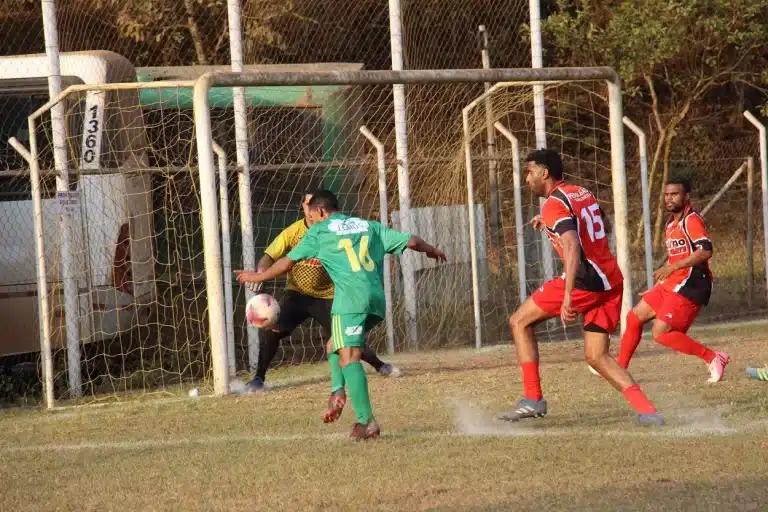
point(110, 203)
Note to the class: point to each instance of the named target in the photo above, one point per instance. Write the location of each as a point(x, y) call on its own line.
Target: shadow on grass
point(664, 494)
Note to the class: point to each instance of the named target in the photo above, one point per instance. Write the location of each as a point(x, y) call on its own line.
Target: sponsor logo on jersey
point(349, 226)
point(676, 246)
point(579, 194)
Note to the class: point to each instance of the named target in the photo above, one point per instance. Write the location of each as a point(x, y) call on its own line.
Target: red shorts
point(672, 308)
point(600, 309)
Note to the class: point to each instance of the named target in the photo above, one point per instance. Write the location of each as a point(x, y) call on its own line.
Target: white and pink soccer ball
point(262, 311)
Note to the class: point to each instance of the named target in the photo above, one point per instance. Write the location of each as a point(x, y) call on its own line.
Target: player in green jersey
point(352, 252)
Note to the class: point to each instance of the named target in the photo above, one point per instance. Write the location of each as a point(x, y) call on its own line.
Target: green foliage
point(687, 44)
point(679, 60)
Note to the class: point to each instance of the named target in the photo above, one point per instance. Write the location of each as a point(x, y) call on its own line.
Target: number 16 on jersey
point(361, 259)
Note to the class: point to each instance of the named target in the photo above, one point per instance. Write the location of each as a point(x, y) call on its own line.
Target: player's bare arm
point(265, 262)
point(537, 223)
point(280, 267)
point(699, 256)
point(570, 242)
point(277, 248)
point(419, 245)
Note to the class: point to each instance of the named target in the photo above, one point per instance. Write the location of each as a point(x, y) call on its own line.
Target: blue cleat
point(758, 373)
point(389, 371)
point(256, 385)
point(526, 408)
point(653, 419)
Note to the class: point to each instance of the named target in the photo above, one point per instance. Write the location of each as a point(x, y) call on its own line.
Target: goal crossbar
point(525, 76)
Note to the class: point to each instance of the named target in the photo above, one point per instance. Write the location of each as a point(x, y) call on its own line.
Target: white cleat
point(593, 371)
point(717, 367)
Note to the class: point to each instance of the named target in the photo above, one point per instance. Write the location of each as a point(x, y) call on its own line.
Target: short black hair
point(310, 191)
point(680, 179)
point(325, 199)
point(548, 158)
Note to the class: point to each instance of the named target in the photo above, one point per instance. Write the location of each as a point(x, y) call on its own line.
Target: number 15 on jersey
point(593, 221)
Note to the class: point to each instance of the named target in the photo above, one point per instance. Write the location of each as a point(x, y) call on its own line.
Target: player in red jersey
point(683, 286)
point(591, 285)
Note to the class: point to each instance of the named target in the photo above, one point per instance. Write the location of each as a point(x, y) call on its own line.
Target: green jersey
point(352, 252)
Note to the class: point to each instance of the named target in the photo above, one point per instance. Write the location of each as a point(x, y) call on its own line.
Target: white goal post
point(208, 193)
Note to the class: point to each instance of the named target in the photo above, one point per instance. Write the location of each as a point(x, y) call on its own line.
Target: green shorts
point(349, 330)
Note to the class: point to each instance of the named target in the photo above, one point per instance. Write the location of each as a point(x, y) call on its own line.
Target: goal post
point(544, 76)
point(139, 310)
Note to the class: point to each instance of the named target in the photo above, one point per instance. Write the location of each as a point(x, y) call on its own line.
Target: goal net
point(135, 244)
point(436, 306)
point(125, 295)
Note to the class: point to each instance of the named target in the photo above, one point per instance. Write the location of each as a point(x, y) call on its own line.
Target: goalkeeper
point(309, 293)
point(352, 251)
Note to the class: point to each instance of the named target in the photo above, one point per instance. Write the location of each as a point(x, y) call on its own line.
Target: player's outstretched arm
point(282, 266)
point(278, 247)
point(417, 244)
point(570, 243)
point(265, 262)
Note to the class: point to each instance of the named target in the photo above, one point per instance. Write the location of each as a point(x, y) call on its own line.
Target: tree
point(173, 25)
point(169, 32)
point(670, 54)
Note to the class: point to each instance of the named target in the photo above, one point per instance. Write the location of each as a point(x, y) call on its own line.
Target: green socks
point(337, 376)
point(357, 383)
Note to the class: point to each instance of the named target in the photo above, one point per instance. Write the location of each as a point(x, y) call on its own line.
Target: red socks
point(630, 340)
point(685, 345)
point(638, 400)
point(531, 381)
point(677, 341)
point(532, 389)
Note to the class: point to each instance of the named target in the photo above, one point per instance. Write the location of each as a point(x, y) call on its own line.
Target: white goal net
point(135, 245)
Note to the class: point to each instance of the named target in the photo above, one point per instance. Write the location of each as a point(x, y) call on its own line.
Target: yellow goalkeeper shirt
point(307, 277)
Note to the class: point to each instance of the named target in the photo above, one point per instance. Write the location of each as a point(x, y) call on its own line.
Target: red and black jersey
point(574, 208)
point(683, 237)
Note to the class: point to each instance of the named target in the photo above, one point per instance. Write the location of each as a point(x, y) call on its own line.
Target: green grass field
point(441, 448)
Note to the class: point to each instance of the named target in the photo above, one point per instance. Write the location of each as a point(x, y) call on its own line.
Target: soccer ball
point(262, 311)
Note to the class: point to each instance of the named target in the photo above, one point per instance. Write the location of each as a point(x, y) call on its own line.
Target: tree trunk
point(194, 32)
point(659, 144)
point(671, 130)
point(660, 204)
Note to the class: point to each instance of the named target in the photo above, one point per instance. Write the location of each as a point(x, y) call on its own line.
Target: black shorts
point(296, 307)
